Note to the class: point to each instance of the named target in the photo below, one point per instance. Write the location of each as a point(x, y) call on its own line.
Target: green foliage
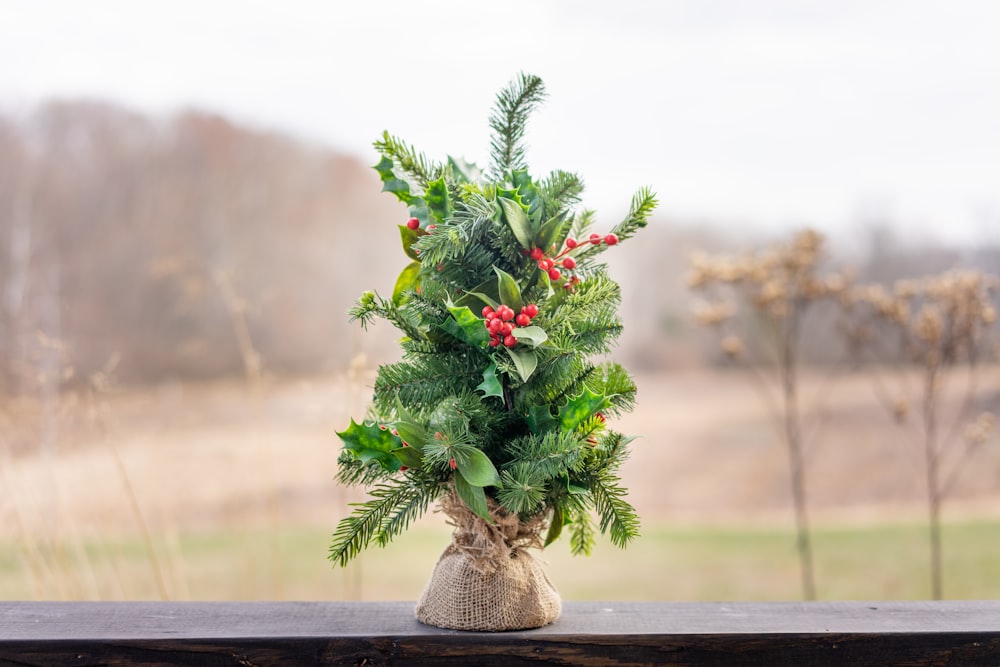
point(517, 416)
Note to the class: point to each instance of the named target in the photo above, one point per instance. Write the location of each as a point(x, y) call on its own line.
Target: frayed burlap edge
point(486, 579)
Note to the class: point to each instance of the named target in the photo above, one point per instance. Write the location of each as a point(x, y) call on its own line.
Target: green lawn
point(887, 561)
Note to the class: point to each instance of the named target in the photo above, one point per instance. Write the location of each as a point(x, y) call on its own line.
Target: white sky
point(767, 113)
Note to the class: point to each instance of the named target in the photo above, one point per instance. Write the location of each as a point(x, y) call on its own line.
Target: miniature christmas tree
point(498, 408)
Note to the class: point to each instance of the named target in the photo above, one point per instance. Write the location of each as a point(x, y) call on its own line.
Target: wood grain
point(377, 633)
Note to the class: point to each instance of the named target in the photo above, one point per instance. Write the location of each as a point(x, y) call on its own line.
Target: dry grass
point(234, 486)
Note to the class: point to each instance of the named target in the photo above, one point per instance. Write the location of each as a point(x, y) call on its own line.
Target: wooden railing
point(590, 633)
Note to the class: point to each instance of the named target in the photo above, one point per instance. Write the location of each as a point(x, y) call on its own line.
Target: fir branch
point(426, 379)
point(643, 203)
point(390, 509)
point(522, 488)
point(510, 115)
point(549, 456)
point(617, 517)
point(413, 163)
point(560, 192)
point(582, 537)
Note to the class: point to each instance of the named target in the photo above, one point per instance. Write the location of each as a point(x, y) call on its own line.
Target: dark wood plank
point(344, 633)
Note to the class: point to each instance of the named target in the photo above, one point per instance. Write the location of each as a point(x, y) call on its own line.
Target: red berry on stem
point(494, 340)
point(569, 263)
point(537, 254)
point(571, 243)
point(507, 314)
point(523, 320)
point(611, 239)
point(487, 311)
point(595, 239)
point(555, 274)
point(510, 341)
point(412, 223)
point(506, 329)
point(531, 310)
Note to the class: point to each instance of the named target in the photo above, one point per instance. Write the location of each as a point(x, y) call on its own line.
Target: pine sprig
point(508, 120)
point(393, 505)
point(413, 163)
point(617, 517)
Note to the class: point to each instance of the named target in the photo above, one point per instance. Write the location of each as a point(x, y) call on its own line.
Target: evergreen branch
point(409, 508)
point(560, 192)
point(617, 517)
point(393, 504)
point(414, 164)
point(510, 115)
point(522, 490)
point(643, 203)
point(582, 537)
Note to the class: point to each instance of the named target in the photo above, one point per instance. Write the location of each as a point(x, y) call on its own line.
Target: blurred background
point(187, 210)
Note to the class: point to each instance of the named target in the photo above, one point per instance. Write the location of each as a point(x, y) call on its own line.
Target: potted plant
point(497, 409)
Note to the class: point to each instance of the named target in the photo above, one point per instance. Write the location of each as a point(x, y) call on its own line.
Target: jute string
point(486, 579)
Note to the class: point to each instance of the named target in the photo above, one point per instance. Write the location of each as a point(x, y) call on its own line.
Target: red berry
point(412, 223)
point(506, 329)
point(507, 313)
point(494, 340)
point(510, 341)
point(530, 310)
point(487, 311)
point(571, 243)
point(595, 239)
point(546, 264)
point(453, 464)
point(523, 320)
point(537, 254)
point(554, 275)
point(611, 239)
point(569, 263)
point(495, 325)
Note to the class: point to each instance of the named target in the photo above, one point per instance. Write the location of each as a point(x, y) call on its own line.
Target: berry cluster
point(501, 322)
point(551, 264)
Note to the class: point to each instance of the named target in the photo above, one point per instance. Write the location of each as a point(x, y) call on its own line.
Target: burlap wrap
point(486, 579)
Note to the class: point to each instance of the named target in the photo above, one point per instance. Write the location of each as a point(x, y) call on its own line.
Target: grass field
point(225, 491)
point(884, 561)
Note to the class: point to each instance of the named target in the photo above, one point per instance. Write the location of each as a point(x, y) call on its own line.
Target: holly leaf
point(518, 221)
point(510, 293)
point(466, 326)
point(528, 193)
point(540, 419)
point(525, 361)
point(438, 202)
point(409, 279)
point(490, 386)
point(580, 408)
point(473, 496)
point(531, 335)
point(368, 442)
point(392, 183)
point(476, 467)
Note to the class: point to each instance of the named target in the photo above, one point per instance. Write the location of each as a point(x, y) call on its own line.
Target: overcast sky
point(762, 113)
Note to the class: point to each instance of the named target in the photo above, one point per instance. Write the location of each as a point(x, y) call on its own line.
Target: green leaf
point(408, 428)
point(525, 361)
point(464, 172)
point(466, 327)
point(540, 419)
point(409, 279)
point(391, 182)
point(409, 456)
point(473, 496)
point(369, 442)
point(510, 293)
point(579, 408)
point(555, 528)
point(485, 292)
point(549, 233)
point(438, 202)
point(476, 467)
point(531, 335)
point(490, 386)
point(408, 236)
point(518, 221)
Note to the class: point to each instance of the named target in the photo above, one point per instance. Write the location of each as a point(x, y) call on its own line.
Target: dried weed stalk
point(931, 325)
point(778, 286)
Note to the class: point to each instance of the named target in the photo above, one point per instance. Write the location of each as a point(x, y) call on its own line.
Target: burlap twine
point(486, 579)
